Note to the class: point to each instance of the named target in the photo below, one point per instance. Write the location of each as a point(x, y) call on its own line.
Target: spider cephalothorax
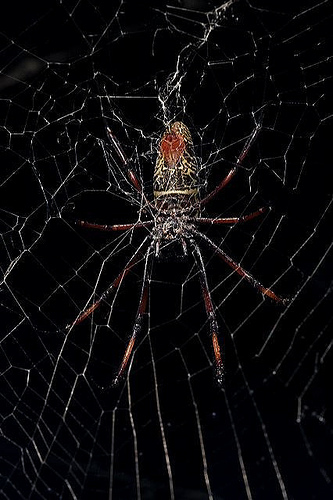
point(172, 227)
point(175, 210)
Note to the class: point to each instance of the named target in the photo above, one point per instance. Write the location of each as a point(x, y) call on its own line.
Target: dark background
point(70, 69)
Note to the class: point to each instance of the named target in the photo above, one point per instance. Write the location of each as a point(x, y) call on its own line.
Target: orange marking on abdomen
point(172, 147)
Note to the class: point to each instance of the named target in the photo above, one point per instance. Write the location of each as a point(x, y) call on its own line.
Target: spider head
point(173, 225)
point(170, 234)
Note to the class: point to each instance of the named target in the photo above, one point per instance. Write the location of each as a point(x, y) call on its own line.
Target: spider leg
point(130, 173)
point(229, 220)
point(139, 317)
point(242, 272)
point(213, 325)
point(115, 227)
point(234, 169)
point(183, 241)
point(112, 288)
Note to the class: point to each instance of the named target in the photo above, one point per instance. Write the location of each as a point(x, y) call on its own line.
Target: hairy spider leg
point(130, 173)
point(242, 272)
point(115, 227)
point(228, 220)
point(234, 169)
point(213, 325)
point(139, 316)
point(112, 288)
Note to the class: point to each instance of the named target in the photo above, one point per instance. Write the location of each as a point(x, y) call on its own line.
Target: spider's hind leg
point(131, 175)
point(234, 169)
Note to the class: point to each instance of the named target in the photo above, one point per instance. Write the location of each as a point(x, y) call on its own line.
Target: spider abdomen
point(176, 171)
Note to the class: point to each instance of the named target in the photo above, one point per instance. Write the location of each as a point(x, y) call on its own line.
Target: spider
point(176, 215)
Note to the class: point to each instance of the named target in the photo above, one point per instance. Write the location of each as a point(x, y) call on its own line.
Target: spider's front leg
point(139, 316)
point(112, 288)
point(213, 325)
point(240, 270)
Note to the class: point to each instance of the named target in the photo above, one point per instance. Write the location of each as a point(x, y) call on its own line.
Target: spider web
point(68, 71)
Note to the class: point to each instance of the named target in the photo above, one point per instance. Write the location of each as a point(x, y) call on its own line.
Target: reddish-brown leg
point(112, 288)
point(115, 227)
point(130, 173)
point(242, 272)
point(213, 326)
point(139, 318)
point(229, 220)
point(234, 169)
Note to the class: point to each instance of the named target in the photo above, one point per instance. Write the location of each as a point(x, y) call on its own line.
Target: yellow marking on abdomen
point(175, 191)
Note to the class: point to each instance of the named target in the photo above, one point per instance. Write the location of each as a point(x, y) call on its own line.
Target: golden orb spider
point(176, 212)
